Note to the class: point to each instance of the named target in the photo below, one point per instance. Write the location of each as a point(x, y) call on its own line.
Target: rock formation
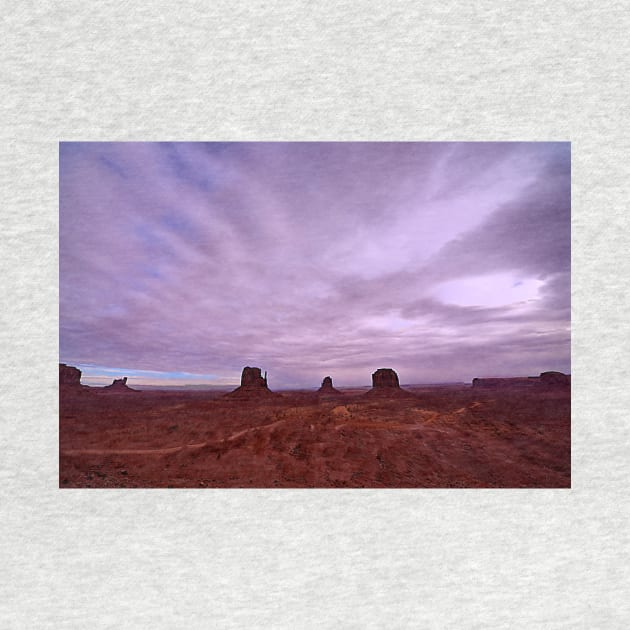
point(69, 376)
point(253, 384)
point(385, 377)
point(252, 377)
point(546, 379)
point(554, 379)
point(385, 384)
point(327, 388)
point(120, 385)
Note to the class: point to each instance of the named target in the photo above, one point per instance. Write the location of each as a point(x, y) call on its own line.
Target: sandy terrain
point(437, 437)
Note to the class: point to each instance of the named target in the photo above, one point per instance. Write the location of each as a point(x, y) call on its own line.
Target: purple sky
point(184, 262)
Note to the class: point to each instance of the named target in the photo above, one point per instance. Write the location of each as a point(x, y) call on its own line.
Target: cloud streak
point(443, 260)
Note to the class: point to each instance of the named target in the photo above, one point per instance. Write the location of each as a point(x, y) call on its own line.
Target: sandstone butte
point(69, 376)
point(327, 388)
point(120, 385)
point(385, 383)
point(385, 377)
point(253, 385)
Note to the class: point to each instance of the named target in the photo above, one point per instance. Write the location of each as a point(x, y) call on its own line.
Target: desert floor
point(438, 437)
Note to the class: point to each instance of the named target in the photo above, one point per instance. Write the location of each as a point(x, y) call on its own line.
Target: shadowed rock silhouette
point(69, 376)
point(385, 383)
point(327, 388)
point(385, 377)
point(253, 385)
point(120, 385)
point(252, 377)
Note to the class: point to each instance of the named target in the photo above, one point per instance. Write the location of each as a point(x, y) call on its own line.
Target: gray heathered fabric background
point(315, 71)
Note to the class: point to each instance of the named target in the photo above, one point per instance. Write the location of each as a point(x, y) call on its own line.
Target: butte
point(119, 385)
point(69, 376)
point(327, 389)
point(253, 385)
point(385, 384)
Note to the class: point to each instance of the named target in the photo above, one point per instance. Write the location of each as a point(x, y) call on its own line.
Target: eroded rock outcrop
point(252, 377)
point(327, 388)
point(253, 384)
point(69, 376)
point(385, 384)
point(119, 385)
point(385, 377)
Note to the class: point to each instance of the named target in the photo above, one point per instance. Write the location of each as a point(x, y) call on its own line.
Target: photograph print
point(315, 315)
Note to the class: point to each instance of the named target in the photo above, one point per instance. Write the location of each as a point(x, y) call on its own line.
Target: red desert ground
point(495, 433)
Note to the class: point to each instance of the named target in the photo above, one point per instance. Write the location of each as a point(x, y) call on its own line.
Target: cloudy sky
point(184, 262)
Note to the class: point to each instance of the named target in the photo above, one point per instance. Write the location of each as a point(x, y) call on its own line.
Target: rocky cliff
point(69, 376)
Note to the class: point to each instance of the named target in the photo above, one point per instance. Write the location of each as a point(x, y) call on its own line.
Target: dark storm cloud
point(443, 260)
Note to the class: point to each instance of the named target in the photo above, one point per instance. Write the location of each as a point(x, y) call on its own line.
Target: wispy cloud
point(443, 260)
